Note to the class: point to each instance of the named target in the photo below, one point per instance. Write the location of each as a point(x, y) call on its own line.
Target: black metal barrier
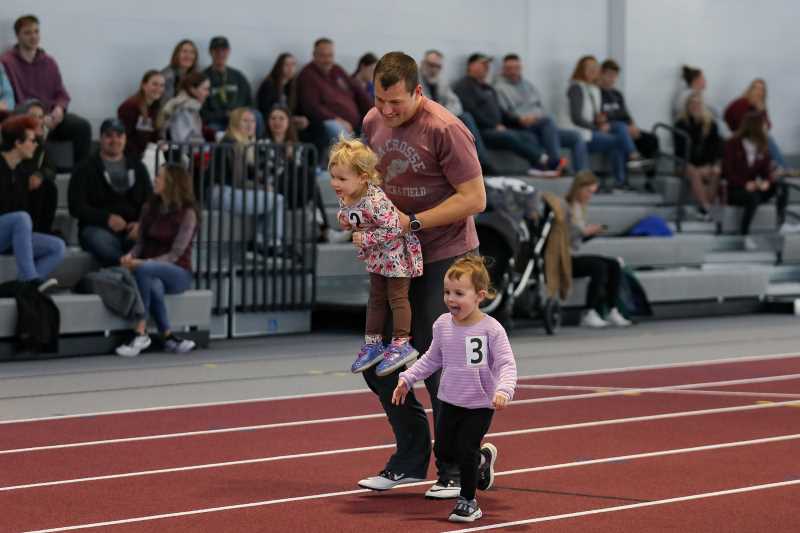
point(256, 245)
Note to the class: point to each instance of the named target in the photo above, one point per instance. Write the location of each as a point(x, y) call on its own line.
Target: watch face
point(415, 225)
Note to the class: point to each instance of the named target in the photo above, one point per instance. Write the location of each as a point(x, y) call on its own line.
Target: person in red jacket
point(139, 113)
point(747, 166)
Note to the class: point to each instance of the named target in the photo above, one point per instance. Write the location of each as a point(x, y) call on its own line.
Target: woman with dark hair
point(605, 273)
point(161, 261)
point(747, 166)
point(703, 161)
point(364, 71)
point(36, 254)
point(139, 113)
point(180, 119)
point(279, 88)
point(182, 62)
point(695, 82)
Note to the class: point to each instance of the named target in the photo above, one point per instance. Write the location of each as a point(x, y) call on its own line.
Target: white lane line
point(516, 432)
point(744, 394)
point(688, 364)
point(549, 399)
point(676, 451)
point(701, 496)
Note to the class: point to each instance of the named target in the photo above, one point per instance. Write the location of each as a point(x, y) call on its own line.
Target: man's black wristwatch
point(415, 224)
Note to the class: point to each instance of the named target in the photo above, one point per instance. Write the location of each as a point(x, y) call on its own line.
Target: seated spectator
point(616, 111)
point(243, 189)
point(438, 90)
point(520, 99)
point(332, 101)
point(496, 126)
point(7, 102)
point(34, 74)
point(36, 254)
point(279, 88)
point(180, 119)
point(161, 261)
point(229, 89)
point(604, 273)
point(694, 81)
point(139, 113)
point(703, 162)
point(183, 62)
point(364, 71)
point(755, 99)
point(747, 166)
point(106, 195)
point(43, 197)
point(585, 101)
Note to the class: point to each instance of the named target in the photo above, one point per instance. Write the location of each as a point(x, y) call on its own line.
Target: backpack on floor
point(38, 317)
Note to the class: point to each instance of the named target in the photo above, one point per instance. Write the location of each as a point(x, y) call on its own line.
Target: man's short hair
point(610, 64)
point(321, 41)
point(13, 131)
point(432, 51)
point(510, 57)
point(23, 21)
point(394, 67)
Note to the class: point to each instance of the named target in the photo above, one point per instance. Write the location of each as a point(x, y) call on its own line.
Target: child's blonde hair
point(473, 266)
point(357, 156)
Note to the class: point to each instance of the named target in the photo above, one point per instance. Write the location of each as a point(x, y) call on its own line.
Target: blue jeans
point(548, 136)
point(480, 147)
point(253, 202)
point(105, 245)
point(775, 152)
point(620, 130)
point(36, 254)
point(610, 145)
point(522, 143)
point(155, 279)
point(573, 140)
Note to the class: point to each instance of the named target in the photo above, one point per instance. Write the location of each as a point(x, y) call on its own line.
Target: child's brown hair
point(357, 156)
point(473, 266)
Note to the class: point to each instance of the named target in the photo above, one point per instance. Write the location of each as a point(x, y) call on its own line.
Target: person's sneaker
point(615, 318)
point(396, 356)
point(369, 355)
point(639, 164)
point(749, 244)
point(386, 480)
point(139, 344)
point(465, 511)
point(444, 489)
point(177, 345)
point(592, 319)
point(543, 173)
point(486, 470)
point(47, 285)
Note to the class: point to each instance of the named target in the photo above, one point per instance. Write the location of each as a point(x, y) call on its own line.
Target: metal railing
point(255, 248)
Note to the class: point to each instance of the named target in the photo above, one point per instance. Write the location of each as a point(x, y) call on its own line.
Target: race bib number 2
point(476, 350)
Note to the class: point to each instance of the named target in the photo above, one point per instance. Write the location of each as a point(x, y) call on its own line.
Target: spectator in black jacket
point(106, 195)
point(279, 88)
point(613, 105)
point(497, 126)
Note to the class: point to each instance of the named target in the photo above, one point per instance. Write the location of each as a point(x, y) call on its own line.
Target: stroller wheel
point(552, 316)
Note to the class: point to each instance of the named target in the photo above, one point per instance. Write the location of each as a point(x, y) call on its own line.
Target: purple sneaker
point(369, 355)
point(396, 357)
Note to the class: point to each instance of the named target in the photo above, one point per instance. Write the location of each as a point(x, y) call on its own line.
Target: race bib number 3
point(476, 350)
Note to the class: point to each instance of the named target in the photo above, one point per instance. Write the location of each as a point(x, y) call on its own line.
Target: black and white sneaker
point(486, 470)
point(466, 511)
point(387, 480)
point(178, 345)
point(444, 489)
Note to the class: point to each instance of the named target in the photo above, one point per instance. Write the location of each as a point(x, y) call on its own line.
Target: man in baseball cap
point(229, 88)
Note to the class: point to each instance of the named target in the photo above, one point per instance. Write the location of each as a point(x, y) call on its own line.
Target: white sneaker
point(47, 285)
point(387, 480)
point(615, 318)
point(339, 236)
point(444, 489)
point(139, 344)
point(750, 245)
point(639, 164)
point(592, 319)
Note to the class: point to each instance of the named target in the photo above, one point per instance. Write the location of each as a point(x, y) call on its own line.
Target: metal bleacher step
point(739, 257)
point(786, 291)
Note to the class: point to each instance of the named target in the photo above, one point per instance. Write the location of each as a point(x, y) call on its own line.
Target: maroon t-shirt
point(421, 162)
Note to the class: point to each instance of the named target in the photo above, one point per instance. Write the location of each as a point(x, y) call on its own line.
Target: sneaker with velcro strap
point(444, 489)
point(386, 480)
point(486, 470)
point(466, 511)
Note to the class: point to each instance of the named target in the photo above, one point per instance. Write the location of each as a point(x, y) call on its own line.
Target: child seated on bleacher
point(392, 257)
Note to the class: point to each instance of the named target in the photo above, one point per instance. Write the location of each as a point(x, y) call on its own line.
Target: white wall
point(104, 47)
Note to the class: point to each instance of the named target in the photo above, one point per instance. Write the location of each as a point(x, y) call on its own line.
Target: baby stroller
point(513, 231)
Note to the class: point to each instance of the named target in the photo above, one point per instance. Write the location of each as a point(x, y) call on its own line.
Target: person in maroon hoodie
point(747, 166)
point(333, 102)
point(34, 74)
point(161, 261)
point(139, 113)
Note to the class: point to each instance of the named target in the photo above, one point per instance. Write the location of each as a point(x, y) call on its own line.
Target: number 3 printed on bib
point(476, 350)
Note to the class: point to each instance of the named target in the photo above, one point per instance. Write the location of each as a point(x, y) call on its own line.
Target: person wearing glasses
point(36, 254)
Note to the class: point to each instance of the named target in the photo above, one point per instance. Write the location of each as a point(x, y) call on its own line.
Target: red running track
point(181, 491)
